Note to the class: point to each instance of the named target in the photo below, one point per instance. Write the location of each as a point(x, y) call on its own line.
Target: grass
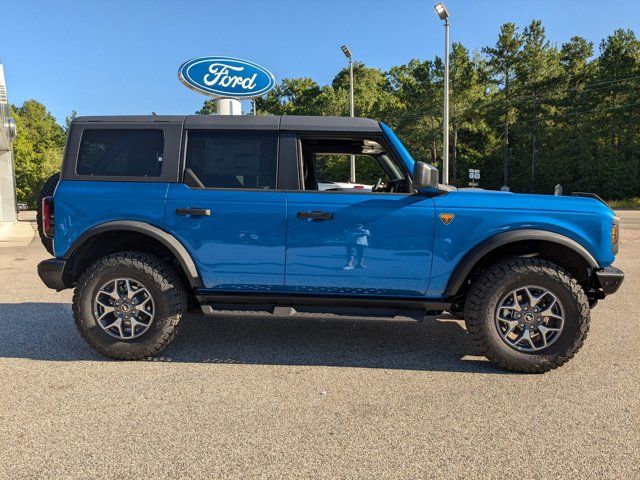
point(625, 204)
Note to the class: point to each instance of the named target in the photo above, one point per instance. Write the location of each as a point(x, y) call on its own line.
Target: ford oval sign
point(226, 77)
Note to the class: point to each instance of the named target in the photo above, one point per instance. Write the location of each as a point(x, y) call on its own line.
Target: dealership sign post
point(226, 79)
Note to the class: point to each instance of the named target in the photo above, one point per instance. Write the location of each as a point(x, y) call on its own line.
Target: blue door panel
point(80, 205)
point(241, 246)
point(394, 260)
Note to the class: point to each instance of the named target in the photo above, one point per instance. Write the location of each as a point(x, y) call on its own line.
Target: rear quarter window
point(121, 153)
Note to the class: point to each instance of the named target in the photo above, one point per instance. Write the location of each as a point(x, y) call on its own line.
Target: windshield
point(397, 145)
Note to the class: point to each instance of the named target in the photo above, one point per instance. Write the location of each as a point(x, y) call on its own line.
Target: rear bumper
point(51, 272)
point(609, 279)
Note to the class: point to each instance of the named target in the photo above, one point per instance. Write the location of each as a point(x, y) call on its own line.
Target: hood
point(491, 199)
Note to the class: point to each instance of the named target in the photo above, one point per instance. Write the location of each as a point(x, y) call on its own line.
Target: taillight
point(47, 217)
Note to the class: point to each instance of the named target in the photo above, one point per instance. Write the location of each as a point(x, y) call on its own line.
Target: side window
point(231, 159)
point(121, 153)
point(326, 166)
point(334, 170)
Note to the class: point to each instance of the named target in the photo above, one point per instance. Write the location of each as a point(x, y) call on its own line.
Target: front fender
point(472, 257)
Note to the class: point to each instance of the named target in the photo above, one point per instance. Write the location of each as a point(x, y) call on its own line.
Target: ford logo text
point(226, 77)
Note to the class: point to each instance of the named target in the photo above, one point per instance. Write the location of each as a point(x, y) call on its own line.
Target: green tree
point(37, 149)
point(467, 92)
point(299, 96)
point(208, 108)
point(417, 119)
point(544, 114)
point(69, 119)
point(373, 95)
point(503, 61)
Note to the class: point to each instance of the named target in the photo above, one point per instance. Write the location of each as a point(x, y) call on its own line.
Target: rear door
point(227, 210)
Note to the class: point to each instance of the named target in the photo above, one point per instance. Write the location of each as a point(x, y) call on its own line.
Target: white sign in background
point(474, 174)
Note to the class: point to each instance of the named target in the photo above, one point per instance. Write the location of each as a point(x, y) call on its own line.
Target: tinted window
point(121, 153)
point(233, 160)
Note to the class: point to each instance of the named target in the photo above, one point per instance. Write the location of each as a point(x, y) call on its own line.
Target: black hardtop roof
point(247, 122)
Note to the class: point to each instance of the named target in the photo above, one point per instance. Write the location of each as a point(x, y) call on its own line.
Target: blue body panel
point(241, 246)
point(481, 214)
point(81, 205)
point(254, 241)
point(396, 253)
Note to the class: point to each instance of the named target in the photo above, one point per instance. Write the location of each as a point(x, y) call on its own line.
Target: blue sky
point(102, 57)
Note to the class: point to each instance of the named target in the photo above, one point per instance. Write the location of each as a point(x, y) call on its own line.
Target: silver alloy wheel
point(124, 308)
point(529, 318)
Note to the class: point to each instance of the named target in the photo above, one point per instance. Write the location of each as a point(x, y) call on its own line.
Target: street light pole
point(443, 13)
point(347, 53)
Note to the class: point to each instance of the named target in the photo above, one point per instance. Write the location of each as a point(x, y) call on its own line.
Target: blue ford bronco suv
point(153, 216)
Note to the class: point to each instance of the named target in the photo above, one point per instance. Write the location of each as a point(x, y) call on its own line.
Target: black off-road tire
point(496, 282)
point(165, 286)
point(47, 190)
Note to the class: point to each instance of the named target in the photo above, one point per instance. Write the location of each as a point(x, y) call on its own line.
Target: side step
point(298, 306)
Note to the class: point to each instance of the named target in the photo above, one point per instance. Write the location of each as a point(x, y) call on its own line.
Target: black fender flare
point(168, 240)
point(476, 254)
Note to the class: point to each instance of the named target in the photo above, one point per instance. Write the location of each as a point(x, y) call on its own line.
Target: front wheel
point(527, 315)
point(128, 305)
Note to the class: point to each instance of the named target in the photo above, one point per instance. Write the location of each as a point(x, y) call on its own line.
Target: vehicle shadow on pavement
point(45, 331)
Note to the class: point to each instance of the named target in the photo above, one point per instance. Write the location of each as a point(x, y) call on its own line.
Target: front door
point(359, 243)
point(368, 237)
point(228, 214)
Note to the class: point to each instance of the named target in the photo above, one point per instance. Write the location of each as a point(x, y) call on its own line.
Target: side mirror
point(425, 176)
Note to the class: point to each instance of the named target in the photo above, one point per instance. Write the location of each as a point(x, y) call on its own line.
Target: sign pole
point(228, 106)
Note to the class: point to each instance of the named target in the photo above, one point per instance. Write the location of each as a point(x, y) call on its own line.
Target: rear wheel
point(527, 315)
point(47, 190)
point(128, 305)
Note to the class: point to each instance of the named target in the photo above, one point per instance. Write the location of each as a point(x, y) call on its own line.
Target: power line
point(489, 102)
point(492, 102)
point(564, 115)
point(559, 94)
point(579, 89)
point(553, 117)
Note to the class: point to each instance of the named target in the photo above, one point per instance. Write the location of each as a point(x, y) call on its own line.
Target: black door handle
point(203, 212)
point(316, 215)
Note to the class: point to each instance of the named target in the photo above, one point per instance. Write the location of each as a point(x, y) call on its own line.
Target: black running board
point(304, 304)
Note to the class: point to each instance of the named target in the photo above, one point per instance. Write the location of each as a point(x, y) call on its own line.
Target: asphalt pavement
point(629, 218)
point(251, 398)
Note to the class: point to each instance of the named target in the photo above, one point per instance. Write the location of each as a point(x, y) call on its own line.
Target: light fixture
point(441, 10)
point(347, 53)
point(443, 13)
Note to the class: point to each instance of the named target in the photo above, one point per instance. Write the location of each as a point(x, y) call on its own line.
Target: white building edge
point(7, 177)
